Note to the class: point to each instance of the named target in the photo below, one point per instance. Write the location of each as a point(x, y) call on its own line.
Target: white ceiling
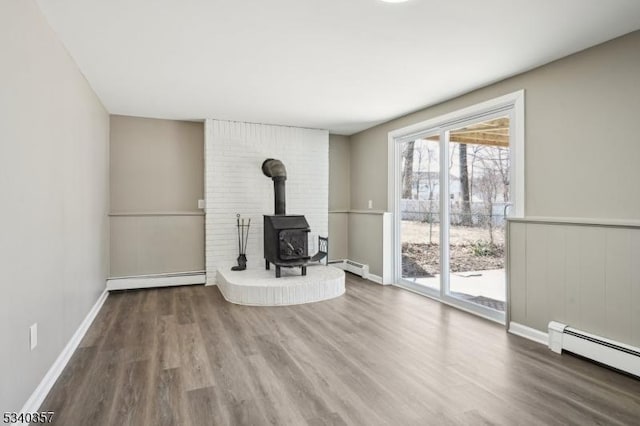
point(342, 65)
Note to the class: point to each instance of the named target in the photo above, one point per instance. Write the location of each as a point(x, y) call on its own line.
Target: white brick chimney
point(234, 183)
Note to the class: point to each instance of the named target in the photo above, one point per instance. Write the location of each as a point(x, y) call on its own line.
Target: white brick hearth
point(258, 287)
point(234, 183)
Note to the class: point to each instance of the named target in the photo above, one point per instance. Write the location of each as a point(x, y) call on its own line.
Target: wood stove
point(285, 242)
point(285, 236)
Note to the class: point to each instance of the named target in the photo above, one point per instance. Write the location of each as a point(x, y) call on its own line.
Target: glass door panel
point(420, 212)
point(479, 174)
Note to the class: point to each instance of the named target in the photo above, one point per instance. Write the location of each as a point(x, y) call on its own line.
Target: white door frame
point(511, 104)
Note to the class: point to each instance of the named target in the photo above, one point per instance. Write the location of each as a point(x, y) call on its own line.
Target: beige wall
point(339, 196)
point(365, 240)
point(581, 129)
point(581, 147)
point(156, 165)
point(54, 136)
point(157, 178)
point(339, 175)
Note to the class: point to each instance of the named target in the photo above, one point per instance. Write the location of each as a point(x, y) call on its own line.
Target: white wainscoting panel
point(583, 274)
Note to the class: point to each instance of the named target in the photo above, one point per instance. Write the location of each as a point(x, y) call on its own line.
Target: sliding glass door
point(479, 197)
point(420, 212)
point(454, 187)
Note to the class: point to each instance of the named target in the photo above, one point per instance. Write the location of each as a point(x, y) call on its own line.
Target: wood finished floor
point(377, 355)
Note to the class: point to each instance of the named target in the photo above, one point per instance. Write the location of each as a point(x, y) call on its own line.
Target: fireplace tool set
point(243, 236)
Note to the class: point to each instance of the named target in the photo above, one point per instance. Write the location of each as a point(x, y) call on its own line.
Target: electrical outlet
point(370, 204)
point(201, 204)
point(33, 336)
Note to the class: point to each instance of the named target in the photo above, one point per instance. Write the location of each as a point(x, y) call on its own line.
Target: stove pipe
point(275, 170)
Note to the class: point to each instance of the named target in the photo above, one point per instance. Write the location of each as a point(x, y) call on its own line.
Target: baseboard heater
point(156, 280)
point(351, 266)
point(605, 351)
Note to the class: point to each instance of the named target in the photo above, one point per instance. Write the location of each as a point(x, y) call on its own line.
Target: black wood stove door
point(293, 244)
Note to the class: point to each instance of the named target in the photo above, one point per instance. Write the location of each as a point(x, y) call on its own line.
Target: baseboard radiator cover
point(156, 280)
point(614, 354)
point(351, 266)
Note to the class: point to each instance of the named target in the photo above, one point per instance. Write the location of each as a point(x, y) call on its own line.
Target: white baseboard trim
point(212, 281)
point(529, 333)
point(375, 278)
point(149, 281)
point(42, 390)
